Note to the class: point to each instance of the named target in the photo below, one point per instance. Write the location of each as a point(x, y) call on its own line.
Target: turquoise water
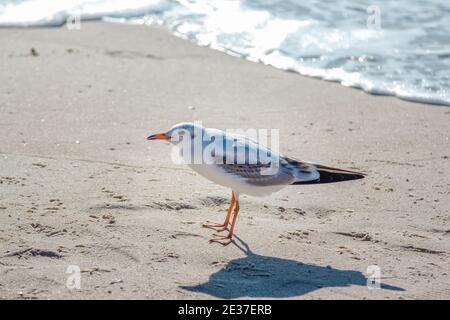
point(399, 48)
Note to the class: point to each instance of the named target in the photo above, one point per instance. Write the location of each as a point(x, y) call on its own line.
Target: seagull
point(244, 165)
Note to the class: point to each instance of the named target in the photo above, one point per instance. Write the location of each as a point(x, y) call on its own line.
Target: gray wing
point(275, 170)
point(260, 174)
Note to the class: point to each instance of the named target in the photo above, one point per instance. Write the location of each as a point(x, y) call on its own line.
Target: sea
point(384, 47)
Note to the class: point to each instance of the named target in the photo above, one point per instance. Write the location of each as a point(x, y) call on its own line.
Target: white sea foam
point(408, 56)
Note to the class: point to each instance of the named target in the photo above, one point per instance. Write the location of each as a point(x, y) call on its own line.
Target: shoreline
point(431, 102)
point(81, 186)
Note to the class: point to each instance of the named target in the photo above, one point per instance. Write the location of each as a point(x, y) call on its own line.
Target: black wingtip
point(331, 175)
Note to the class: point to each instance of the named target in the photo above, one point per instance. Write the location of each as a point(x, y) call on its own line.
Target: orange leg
point(221, 227)
point(225, 240)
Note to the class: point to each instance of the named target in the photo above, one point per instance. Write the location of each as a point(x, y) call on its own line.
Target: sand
point(80, 186)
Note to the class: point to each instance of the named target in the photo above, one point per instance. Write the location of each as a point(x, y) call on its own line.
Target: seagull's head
point(179, 132)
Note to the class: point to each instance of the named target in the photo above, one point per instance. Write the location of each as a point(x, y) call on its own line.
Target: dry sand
point(80, 185)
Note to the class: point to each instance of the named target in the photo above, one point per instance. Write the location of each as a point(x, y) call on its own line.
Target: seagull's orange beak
point(159, 136)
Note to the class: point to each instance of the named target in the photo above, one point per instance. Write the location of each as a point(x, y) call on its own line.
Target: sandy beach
point(81, 186)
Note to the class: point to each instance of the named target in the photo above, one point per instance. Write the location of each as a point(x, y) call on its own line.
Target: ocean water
point(399, 48)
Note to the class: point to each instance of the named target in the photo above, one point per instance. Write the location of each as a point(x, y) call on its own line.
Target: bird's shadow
point(272, 277)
